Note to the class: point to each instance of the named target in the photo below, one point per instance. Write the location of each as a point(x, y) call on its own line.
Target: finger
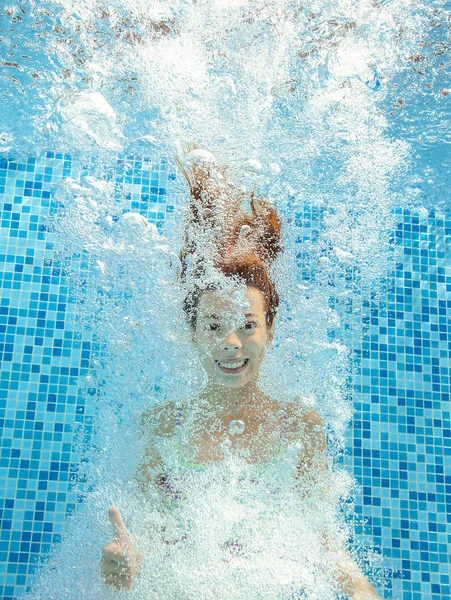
point(116, 580)
point(120, 530)
point(111, 566)
point(116, 554)
point(116, 584)
point(117, 576)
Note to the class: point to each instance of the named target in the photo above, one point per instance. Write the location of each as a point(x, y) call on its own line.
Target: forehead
point(220, 303)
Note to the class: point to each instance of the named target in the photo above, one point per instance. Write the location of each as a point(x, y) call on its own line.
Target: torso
point(260, 441)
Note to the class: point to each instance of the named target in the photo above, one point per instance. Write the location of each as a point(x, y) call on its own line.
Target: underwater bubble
point(152, 230)
point(323, 261)
point(342, 254)
point(5, 141)
point(245, 230)
point(65, 185)
point(130, 223)
point(84, 117)
point(373, 82)
point(149, 139)
point(192, 106)
point(253, 165)
point(230, 84)
point(274, 168)
point(101, 267)
point(144, 146)
point(199, 156)
point(162, 252)
point(423, 215)
point(106, 222)
point(87, 381)
point(79, 189)
point(236, 427)
point(216, 176)
point(97, 185)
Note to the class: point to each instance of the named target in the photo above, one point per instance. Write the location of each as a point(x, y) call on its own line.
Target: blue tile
point(401, 431)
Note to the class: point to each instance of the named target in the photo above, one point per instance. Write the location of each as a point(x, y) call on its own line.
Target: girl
point(231, 304)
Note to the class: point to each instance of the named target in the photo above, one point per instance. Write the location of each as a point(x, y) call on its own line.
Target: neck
point(230, 401)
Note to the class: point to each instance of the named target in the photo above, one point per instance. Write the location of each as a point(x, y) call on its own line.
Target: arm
point(312, 463)
point(122, 558)
point(159, 421)
point(121, 561)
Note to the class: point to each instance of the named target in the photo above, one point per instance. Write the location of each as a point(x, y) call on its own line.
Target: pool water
point(340, 114)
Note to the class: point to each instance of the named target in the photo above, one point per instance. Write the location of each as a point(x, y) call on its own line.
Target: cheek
point(256, 347)
point(205, 346)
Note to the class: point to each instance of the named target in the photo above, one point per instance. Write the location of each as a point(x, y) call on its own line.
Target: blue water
point(363, 147)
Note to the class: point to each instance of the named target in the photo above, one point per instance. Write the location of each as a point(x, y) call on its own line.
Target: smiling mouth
point(232, 367)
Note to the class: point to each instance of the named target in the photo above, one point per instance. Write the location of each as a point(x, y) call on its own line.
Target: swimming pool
point(395, 320)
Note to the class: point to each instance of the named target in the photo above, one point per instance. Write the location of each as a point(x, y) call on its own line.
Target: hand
point(120, 560)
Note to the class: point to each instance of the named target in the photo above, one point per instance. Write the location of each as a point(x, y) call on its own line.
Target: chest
point(252, 437)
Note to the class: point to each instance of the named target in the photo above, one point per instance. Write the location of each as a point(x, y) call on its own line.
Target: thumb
point(120, 530)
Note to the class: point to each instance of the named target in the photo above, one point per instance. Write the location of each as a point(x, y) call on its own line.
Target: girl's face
point(231, 341)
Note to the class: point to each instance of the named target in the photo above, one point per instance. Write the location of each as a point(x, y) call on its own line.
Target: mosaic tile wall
point(400, 442)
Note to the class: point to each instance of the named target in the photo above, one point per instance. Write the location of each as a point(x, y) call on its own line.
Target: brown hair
point(247, 246)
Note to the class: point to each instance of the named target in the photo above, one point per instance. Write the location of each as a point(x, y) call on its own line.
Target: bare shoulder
point(305, 424)
point(299, 414)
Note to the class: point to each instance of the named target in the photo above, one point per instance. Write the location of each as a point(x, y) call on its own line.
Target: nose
point(232, 342)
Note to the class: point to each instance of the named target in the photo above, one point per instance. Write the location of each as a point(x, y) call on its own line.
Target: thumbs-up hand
point(120, 560)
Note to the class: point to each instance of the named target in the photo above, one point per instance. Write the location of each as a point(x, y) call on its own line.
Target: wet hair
point(246, 245)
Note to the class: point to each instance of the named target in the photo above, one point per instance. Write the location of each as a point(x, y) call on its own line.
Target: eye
point(213, 326)
point(250, 325)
